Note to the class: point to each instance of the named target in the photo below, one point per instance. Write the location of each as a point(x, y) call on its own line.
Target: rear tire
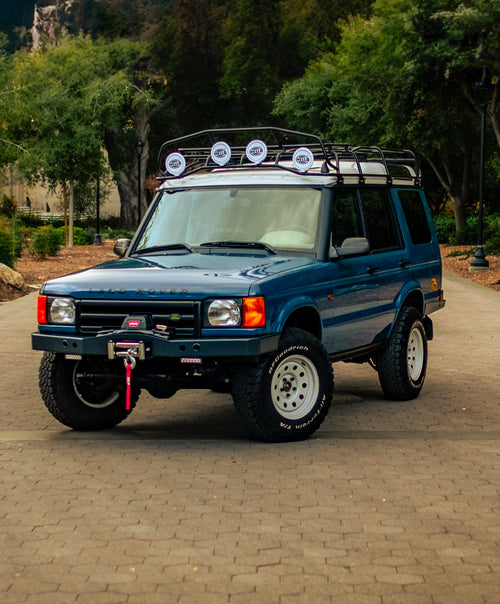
point(402, 365)
point(80, 402)
point(287, 395)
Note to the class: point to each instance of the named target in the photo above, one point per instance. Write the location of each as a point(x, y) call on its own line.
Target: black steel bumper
point(156, 346)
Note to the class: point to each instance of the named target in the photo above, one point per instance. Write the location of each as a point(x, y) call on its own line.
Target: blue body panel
point(355, 308)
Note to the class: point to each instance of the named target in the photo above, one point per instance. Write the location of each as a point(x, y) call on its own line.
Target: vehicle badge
point(303, 159)
point(175, 163)
point(256, 151)
point(220, 153)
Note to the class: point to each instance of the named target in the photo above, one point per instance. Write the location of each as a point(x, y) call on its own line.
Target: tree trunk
point(64, 187)
point(459, 212)
point(495, 112)
point(455, 184)
point(124, 164)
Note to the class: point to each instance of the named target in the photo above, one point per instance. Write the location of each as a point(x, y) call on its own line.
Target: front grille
point(183, 318)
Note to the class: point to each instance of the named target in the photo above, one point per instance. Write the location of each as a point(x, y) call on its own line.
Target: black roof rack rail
point(281, 144)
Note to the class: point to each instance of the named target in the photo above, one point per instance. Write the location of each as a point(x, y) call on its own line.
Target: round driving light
point(224, 313)
point(62, 310)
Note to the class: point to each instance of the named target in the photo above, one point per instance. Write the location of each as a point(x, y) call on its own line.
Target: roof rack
point(271, 148)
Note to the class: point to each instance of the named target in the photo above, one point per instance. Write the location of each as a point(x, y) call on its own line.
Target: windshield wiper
point(164, 248)
point(245, 244)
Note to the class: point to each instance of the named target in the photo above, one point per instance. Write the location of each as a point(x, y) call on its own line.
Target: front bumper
point(156, 345)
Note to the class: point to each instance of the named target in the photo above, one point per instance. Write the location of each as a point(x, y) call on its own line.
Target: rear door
point(425, 267)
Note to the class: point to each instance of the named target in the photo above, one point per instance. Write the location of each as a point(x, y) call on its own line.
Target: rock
point(10, 277)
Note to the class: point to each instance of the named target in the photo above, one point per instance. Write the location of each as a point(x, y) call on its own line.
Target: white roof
point(373, 172)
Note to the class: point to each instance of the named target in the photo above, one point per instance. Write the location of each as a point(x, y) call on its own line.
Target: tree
point(9, 148)
point(389, 85)
point(67, 96)
point(472, 50)
point(187, 48)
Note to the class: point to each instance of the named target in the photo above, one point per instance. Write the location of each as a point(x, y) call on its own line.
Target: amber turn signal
point(254, 312)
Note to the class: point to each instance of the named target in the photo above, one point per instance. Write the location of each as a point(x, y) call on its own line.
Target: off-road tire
point(287, 395)
point(98, 410)
point(402, 365)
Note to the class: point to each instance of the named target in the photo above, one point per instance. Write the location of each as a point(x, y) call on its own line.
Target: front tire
point(78, 400)
point(402, 365)
point(287, 395)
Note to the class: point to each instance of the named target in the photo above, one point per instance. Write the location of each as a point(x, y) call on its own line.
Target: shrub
point(80, 236)
point(461, 254)
point(33, 221)
point(11, 240)
point(445, 227)
point(118, 234)
point(492, 246)
point(6, 251)
point(45, 242)
point(8, 206)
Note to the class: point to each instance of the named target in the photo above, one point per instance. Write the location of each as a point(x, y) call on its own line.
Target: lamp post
point(479, 261)
point(139, 148)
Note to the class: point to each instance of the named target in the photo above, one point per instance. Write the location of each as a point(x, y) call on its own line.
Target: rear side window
point(346, 220)
point(416, 218)
point(379, 220)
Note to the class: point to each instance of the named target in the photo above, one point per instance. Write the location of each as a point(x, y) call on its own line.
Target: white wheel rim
point(295, 387)
point(415, 354)
point(105, 403)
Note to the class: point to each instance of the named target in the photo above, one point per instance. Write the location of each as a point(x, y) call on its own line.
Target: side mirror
point(121, 246)
point(352, 246)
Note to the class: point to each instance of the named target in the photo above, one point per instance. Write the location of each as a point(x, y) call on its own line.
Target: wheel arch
point(306, 318)
point(408, 298)
point(415, 299)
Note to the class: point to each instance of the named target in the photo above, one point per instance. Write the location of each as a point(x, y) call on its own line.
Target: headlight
point(224, 313)
point(61, 311)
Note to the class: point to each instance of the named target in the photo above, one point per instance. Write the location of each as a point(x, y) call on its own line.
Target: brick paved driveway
point(388, 503)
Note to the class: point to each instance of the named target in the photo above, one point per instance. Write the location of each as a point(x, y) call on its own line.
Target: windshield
point(279, 217)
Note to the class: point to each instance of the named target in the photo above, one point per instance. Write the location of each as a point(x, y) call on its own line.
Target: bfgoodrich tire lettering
point(288, 394)
point(78, 402)
point(402, 365)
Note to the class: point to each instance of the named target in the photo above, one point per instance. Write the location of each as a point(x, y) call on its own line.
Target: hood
point(182, 275)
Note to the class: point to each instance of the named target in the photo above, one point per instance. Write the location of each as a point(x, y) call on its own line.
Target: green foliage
point(305, 102)
point(6, 254)
point(445, 228)
point(492, 246)
point(461, 253)
point(65, 98)
point(11, 240)
point(400, 78)
point(80, 236)
point(465, 236)
point(446, 232)
point(8, 206)
point(118, 234)
point(32, 220)
point(45, 242)
point(492, 235)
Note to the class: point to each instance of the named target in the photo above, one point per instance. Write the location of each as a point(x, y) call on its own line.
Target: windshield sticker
point(303, 159)
point(175, 164)
point(256, 151)
point(220, 153)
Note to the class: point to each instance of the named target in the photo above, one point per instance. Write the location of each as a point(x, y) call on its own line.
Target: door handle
point(372, 269)
point(404, 264)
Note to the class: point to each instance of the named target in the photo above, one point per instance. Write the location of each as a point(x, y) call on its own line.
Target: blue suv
point(265, 256)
